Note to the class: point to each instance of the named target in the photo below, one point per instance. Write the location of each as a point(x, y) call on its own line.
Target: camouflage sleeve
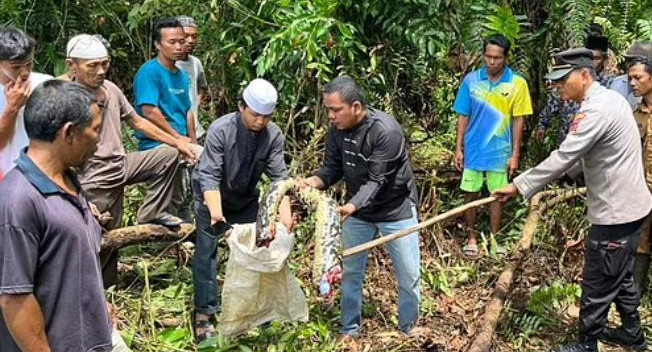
point(551, 109)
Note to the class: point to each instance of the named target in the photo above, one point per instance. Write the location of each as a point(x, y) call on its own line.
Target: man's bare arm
point(192, 129)
point(154, 114)
point(24, 318)
point(153, 132)
point(213, 200)
point(517, 131)
point(201, 95)
point(462, 124)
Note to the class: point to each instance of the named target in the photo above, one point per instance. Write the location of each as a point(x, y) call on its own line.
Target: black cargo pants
point(608, 277)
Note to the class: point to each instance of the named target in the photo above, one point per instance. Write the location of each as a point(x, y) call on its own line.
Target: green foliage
point(315, 37)
point(523, 327)
point(553, 298)
point(578, 18)
point(409, 56)
point(444, 279)
point(644, 29)
point(502, 21)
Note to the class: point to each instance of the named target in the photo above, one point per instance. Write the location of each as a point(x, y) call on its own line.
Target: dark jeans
point(205, 263)
point(608, 277)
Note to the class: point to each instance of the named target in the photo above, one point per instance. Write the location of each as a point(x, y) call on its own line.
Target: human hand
point(307, 182)
point(513, 165)
point(102, 218)
point(541, 134)
point(503, 194)
point(346, 210)
point(459, 160)
point(189, 151)
point(112, 315)
point(218, 217)
point(17, 92)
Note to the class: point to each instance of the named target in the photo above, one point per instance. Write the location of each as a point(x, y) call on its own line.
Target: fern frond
point(577, 19)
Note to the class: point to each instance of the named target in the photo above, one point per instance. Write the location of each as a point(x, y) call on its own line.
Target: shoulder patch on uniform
point(576, 123)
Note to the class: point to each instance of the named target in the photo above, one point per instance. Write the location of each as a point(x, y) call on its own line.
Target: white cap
point(260, 96)
point(86, 46)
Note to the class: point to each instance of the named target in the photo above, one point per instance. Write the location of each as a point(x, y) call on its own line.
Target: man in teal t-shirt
point(162, 91)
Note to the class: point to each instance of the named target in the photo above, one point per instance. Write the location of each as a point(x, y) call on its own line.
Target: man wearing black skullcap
point(603, 142)
point(599, 46)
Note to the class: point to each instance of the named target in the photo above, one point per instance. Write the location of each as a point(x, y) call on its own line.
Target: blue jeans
point(205, 263)
point(405, 259)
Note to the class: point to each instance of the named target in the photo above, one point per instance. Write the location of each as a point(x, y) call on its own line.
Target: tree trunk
point(130, 235)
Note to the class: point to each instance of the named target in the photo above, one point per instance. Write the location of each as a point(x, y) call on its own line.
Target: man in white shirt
point(16, 83)
point(195, 70)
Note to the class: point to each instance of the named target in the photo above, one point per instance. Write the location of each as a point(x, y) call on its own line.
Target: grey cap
point(187, 21)
point(568, 60)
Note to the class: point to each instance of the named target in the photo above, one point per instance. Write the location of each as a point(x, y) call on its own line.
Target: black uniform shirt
point(373, 160)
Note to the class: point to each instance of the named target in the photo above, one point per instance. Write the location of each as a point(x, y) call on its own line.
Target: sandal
point(500, 250)
point(470, 251)
point(204, 326)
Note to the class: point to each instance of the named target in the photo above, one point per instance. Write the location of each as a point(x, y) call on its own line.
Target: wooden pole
point(384, 239)
point(489, 321)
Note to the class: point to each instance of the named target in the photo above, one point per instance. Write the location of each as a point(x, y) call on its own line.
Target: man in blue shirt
point(161, 90)
point(162, 95)
point(491, 104)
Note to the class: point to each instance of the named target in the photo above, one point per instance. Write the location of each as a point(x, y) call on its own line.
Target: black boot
point(641, 266)
point(579, 347)
point(629, 334)
point(623, 338)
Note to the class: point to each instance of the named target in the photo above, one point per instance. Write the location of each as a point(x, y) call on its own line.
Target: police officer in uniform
point(604, 143)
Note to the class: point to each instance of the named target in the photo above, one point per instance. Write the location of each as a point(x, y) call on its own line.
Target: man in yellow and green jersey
point(491, 103)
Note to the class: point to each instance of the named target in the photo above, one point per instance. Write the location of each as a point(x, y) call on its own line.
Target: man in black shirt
point(366, 148)
point(240, 147)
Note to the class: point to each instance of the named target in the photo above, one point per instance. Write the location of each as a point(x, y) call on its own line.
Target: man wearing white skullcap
point(16, 83)
point(239, 148)
point(110, 169)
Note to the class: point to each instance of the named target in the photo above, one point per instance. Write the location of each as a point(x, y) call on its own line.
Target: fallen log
point(384, 239)
point(489, 321)
point(130, 235)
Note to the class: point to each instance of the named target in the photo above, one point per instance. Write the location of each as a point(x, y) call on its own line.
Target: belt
point(609, 245)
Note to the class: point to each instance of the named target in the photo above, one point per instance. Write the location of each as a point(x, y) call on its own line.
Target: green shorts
point(472, 180)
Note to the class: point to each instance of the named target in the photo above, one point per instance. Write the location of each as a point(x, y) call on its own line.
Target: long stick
point(453, 212)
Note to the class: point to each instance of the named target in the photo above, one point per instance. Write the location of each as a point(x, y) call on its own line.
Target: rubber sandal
point(470, 250)
point(204, 328)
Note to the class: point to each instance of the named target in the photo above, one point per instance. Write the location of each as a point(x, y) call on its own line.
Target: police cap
point(568, 60)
